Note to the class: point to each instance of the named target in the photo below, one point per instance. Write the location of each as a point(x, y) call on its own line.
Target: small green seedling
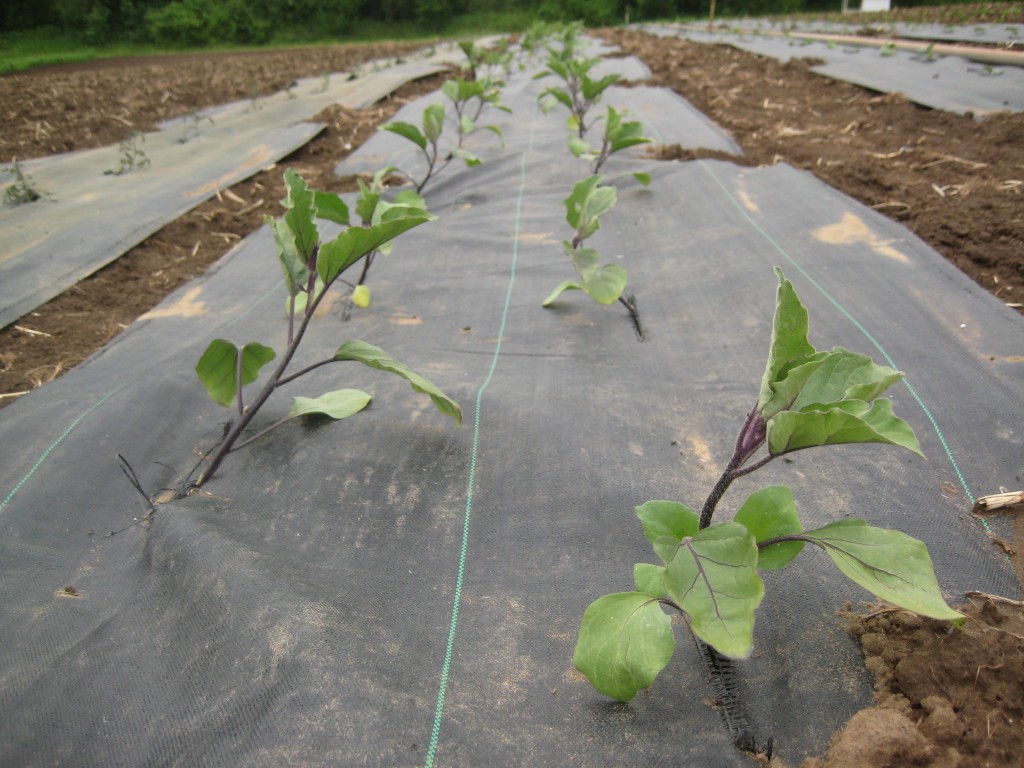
point(311, 267)
point(619, 134)
point(370, 206)
point(586, 205)
point(469, 98)
point(132, 157)
point(710, 573)
point(191, 125)
point(23, 190)
point(581, 92)
point(887, 50)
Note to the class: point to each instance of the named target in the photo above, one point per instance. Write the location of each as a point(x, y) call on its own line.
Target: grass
point(40, 47)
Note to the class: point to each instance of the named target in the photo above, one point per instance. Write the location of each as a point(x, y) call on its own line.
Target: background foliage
point(181, 23)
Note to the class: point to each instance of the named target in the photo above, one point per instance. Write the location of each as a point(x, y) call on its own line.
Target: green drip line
point(48, 451)
point(857, 324)
point(435, 732)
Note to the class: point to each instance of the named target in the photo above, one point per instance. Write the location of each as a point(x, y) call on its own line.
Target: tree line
point(205, 22)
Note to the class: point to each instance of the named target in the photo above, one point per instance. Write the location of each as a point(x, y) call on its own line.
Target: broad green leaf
point(407, 131)
point(579, 147)
point(466, 125)
point(889, 564)
point(586, 204)
point(411, 199)
point(606, 284)
point(667, 518)
point(467, 157)
point(559, 95)
point(568, 285)
point(355, 242)
point(830, 377)
point(767, 514)
point(296, 273)
point(643, 178)
point(301, 217)
point(789, 337)
point(649, 579)
point(361, 296)
point(625, 641)
point(713, 578)
point(331, 207)
point(594, 88)
point(451, 89)
point(433, 122)
point(366, 203)
point(375, 357)
point(339, 404)
point(849, 421)
point(218, 368)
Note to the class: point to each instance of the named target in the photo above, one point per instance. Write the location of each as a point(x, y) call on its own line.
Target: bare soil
point(944, 698)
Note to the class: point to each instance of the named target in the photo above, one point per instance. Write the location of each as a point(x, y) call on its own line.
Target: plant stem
point(243, 420)
point(749, 440)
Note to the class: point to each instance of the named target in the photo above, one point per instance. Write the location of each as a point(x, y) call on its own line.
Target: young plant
point(618, 135)
point(371, 207)
point(581, 92)
point(469, 98)
point(311, 267)
point(23, 190)
point(586, 205)
point(132, 155)
point(191, 125)
point(710, 573)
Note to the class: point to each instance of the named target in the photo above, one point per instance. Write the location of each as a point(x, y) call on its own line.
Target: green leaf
point(568, 285)
point(667, 518)
point(497, 132)
point(889, 564)
point(375, 357)
point(361, 296)
point(767, 514)
point(331, 207)
point(713, 578)
point(301, 217)
point(579, 147)
point(789, 337)
point(643, 178)
point(466, 125)
point(466, 156)
point(218, 368)
point(339, 404)
point(411, 199)
point(850, 421)
point(433, 122)
point(594, 88)
point(625, 641)
point(407, 131)
point(603, 284)
point(830, 377)
point(586, 204)
point(559, 95)
point(451, 90)
point(367, 201)
point(649, 579)
point(355, 242)
point(296, 273)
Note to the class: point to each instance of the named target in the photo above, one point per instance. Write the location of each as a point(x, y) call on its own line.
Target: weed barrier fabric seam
point(436, 729)
point(892, 363)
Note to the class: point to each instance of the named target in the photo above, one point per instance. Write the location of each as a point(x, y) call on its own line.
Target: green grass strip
point(857, 324)
point(435, 732)
point(48, 451)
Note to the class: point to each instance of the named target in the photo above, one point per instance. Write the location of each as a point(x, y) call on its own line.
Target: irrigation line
point(435, 732)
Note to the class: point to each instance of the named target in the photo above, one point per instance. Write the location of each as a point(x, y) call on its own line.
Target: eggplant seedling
point(132, 155)
point(618, 135)
point(23, 190)
point(469, 98)
point(311, 267)
point(710, 573)
point(586, 205)
point(581, 92)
